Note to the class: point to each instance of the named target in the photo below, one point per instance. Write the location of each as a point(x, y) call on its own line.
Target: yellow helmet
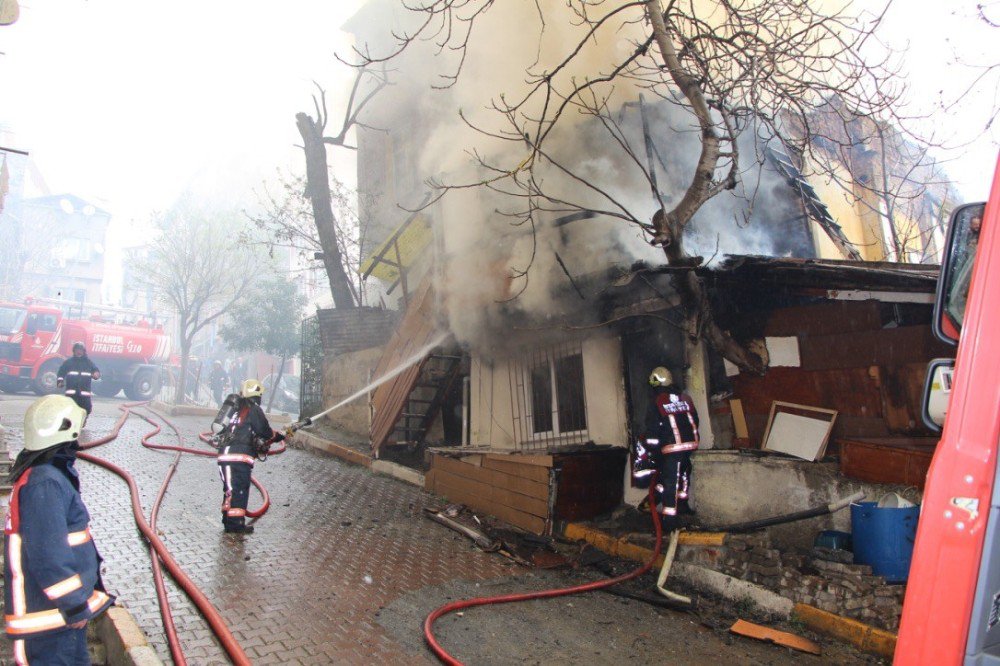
point(251, 389)
point(660, 377)
point(52, 420)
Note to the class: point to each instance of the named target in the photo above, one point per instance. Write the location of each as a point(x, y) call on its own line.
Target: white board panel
point(783, 352)
point(798, 436)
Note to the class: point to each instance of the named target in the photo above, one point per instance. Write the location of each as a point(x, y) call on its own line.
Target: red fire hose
point(443, 654)
point(158, 550)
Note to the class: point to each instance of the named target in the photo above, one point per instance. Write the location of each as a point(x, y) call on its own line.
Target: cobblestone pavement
point(337, 544)
point(343, 569)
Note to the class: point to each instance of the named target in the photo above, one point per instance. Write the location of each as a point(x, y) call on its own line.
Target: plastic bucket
point(883, 538)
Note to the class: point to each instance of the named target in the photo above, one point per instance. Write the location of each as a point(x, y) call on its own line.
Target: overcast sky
point(128, 103)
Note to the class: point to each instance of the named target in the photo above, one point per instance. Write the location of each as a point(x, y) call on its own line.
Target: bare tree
point(285, 220)
point(194, 267)
point(317, 175)
point(733, 66)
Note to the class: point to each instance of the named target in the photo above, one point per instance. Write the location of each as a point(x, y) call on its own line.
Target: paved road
point(343, 568)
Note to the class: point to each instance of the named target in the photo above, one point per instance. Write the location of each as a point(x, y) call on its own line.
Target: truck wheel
point(107, 389)
point(13, 384)
point(145, 385)
point(45, 382)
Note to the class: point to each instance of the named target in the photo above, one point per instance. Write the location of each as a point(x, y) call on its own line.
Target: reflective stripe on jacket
point(52, 568)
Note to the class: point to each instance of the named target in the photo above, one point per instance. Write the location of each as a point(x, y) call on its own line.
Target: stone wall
point(344, 331)
point(818, 577)
point(343, 375)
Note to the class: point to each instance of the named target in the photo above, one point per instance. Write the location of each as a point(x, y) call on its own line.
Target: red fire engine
point(36, 336)
point(951, 613)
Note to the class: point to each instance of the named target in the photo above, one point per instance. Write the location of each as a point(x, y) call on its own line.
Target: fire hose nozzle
point(297, 426)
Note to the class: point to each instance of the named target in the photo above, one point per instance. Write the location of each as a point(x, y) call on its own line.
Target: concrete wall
point(730, 488)
point(342, 376)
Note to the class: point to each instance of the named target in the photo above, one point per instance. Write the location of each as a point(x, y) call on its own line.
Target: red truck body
point(35, 338)
point(952, 606)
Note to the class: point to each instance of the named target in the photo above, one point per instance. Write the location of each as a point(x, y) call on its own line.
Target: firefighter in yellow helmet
point(52, 580)
point(670, 438)
point(245, 438)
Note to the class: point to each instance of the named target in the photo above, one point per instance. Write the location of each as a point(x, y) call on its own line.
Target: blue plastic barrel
point(883, 538)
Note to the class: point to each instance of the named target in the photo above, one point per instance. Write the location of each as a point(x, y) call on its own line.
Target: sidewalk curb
point(345, 453)
point(196, 410)
point(862, 636)
point(397, 471)
point(124, 641)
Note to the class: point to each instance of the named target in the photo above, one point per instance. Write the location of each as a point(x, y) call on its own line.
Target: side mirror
point(937, 392)
point(31, 328)
point(956, 271)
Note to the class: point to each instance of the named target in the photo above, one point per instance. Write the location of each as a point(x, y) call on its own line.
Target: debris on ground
point(769, 635)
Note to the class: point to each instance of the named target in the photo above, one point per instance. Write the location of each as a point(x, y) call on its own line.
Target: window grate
point(548, 400)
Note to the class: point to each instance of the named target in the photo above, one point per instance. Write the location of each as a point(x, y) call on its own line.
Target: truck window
point(11, 319)
point(47, 322)
point(956, 273)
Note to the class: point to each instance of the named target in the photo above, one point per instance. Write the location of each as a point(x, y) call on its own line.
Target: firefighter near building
point(37, 337)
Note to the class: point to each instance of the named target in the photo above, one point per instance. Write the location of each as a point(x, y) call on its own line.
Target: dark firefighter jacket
point(51, 568)
point(247, 428)
point(672, 422)
point(77, 372)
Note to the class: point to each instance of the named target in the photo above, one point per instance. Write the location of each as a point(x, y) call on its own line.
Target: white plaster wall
point(604, 386)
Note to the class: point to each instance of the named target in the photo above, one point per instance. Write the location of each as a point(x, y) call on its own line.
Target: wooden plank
point(531, 472)
point(851, 391)
point(512, 516)
point(885, 347)
point(878, 463)
point(739, 418)
point(824, 319)
point(414, 332)
point(491, 494)
point(590, 484)
point(523, 459)
point(493, 477)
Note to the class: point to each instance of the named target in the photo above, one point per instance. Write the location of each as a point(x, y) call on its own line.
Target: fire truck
point(38, 335)
point(951, 612)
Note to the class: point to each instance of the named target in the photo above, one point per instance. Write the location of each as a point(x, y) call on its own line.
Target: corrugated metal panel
point(415, 332)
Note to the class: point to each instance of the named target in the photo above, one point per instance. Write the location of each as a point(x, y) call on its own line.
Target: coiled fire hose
point(441, 611)
point(158, 550)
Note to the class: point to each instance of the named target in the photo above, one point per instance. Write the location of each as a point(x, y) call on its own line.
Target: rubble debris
point(660, 602)
point(805, 577)
point(448, 518)
point(766, 634)
point(545, 559)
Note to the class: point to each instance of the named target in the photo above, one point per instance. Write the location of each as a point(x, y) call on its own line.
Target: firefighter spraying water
point(242, 436)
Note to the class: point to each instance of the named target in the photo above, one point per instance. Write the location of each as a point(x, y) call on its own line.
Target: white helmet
point(52, 420)
point(660, 377)
point(251, 389)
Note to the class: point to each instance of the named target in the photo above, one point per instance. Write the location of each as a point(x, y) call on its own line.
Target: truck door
point(951, 612)
point(39, 331)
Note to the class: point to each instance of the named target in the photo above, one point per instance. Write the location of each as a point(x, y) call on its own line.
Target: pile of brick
point(810, 578)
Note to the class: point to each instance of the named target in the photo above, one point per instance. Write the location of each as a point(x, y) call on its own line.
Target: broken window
point(549, 398)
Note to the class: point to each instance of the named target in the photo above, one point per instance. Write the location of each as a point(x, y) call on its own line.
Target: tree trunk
point(277, 383)
point(182, 379)
point(318, 190)
point(695, 303)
